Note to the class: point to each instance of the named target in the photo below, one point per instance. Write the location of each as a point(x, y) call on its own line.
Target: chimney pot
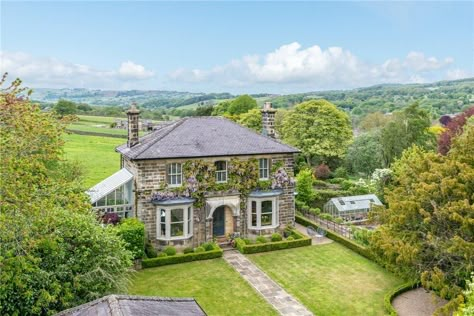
point(268, 120)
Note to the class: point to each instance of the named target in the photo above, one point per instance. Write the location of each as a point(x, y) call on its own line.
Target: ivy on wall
point(199, 177)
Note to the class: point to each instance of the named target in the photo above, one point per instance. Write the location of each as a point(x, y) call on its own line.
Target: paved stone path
point(283, 302)
point(417, 302)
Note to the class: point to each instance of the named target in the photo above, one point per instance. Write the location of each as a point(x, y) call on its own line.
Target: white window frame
point(187, 222)
point(170, 174)
point(264, 169)
point(221, 172)
point(275, 212)
point(121, 193)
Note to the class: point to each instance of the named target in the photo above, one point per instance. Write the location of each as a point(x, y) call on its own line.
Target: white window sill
point(174, 238)
point(219, 182)
point(264, 227)
point(174, 185)
point(263, 179)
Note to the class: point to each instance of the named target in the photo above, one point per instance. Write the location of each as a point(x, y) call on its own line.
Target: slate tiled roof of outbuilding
point(203, 137)
point(124, 305)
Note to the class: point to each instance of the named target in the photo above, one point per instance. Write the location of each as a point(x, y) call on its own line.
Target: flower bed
point(216, 252)
point(297, 240)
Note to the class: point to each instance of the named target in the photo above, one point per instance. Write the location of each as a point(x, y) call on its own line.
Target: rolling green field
point(330, 279)
point(95, 154)
point(215, 285)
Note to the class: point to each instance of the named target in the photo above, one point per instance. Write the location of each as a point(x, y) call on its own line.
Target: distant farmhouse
point(201, 178)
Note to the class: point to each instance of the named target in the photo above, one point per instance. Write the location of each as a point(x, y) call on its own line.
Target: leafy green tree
point(242, 104)
point(318, 129)
point(204, 110)
point(365, 154)
point(65, 107)
point(408, 127)
point(428, 230)
point(54, 254)
point(252, 119)
point(375, 120)
point(304, 186)
point(221, 109)
point(84, 107)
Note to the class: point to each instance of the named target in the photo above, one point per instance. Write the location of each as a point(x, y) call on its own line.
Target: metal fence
point(339, 229)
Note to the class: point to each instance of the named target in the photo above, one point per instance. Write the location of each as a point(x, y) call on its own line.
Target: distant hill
point(440, 97)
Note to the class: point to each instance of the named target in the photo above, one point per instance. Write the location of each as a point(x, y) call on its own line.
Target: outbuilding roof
point(109, 184)
point(202, 137)
point(356, 202)
point(124, 305)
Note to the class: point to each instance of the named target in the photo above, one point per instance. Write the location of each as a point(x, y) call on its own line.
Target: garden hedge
point(361, 250)
point(388, 298)
point(157, 262)
point(132, 232)
point(271, 246)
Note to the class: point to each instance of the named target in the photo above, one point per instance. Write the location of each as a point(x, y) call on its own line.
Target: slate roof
point(202, 137)
point(123, 305)
point(109, 184)
point(356, 202)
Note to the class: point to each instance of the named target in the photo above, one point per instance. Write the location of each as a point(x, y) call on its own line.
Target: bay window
point(174, 222)
point(263, 213)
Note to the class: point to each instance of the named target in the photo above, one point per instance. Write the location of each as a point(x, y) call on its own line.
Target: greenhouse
point(351, 208)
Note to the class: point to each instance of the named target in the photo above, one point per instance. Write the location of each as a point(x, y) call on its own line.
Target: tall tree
point(54, 254)
point(428, 230)
point(453, 127)
point(365, 154)
point(318, 129)
point(375, 120)
point(242, 104)
point(252, 119)
point(65, 107)
point(408, 127)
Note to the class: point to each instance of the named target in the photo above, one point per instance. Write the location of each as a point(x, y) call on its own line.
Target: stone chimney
point(268, 120)
point(133, 115)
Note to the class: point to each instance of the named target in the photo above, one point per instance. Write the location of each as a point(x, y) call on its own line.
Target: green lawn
point(213, 283)
point(329, 279)
point(96, 155)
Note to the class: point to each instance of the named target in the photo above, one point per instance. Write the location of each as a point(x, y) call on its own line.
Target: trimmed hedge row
point(194, 256)
point(271, 246)
point(361, 250)
point(388, 298)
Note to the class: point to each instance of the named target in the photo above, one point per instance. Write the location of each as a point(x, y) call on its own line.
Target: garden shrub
point(290, 238)
point(304, 186)
point(188, 250)
point(299, 204)
point(199, 249)
point(170, 250)
point(162, 254)
point(340, 172)
point(181, 258)
point(150, 251)
point(338, 220)
point(132, 232)
point(319, 183)
point(276, 237)
point(247, 241)
point(111, 218)
point(362, 236)
point(261, 239)
point(207, 246)
point(347, 185)
point(326, 216)
point(315, 211)
point(322, 171)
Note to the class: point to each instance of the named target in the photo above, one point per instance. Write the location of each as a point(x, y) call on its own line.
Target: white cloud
point(130, 70)
point(52, 72)
point(454, 74)
point(315, 68)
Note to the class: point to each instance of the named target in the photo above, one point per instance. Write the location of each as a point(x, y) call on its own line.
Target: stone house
point(200, 178)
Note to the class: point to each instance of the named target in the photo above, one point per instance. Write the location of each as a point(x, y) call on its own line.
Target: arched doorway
point(218, 221)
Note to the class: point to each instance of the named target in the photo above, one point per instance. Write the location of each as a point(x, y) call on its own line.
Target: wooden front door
point(218, 221)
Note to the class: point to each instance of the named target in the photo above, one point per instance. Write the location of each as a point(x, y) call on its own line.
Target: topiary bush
point(276, 237)
point(199, 249)
point(188, 250)
point(261, 239)
point(315, 211)
point(150, 251)
point(132, 232)
point(162, 254)
point(290, 238)
point(170, 250)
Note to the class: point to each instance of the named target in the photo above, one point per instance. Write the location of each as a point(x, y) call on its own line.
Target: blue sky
point(240, 47)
